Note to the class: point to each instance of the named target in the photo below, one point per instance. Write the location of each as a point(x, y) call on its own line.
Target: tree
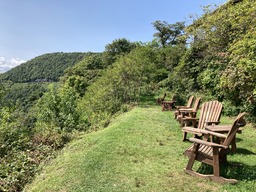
point(123, 83)
point(169, 34)
point(84, 73)
point(116, 48)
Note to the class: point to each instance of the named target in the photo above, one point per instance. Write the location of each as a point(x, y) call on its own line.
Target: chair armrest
point(206, 132)
point(188, 110)
point(202, 131)
point(181, 107)
point(191, 118)
point(210, 144)
point(191, 130)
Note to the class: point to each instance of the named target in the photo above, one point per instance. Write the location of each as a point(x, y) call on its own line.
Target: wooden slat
point(190, 101)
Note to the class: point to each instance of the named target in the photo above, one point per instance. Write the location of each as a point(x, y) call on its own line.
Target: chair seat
point(203, 150)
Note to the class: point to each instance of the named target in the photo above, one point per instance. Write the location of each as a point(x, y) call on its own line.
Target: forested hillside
point(214, 58)
point(47, 67)
point(26, 83)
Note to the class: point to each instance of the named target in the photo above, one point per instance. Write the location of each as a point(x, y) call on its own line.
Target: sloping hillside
point(140, 151)
point(47, 67)
point(26, 83)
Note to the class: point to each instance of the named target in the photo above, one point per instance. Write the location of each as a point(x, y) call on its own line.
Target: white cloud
point(7, 64)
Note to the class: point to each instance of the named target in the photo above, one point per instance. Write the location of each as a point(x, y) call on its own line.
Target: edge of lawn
point(141, 150)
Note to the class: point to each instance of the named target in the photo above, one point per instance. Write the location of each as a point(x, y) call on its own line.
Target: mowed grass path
point(140, 151)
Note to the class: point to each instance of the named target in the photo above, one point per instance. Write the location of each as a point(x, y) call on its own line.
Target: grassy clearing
point(140, 151)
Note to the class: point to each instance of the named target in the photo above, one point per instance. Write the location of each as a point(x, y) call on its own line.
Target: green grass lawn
point(141, 150)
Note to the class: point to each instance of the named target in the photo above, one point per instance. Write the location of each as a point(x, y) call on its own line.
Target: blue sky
point(29, 28)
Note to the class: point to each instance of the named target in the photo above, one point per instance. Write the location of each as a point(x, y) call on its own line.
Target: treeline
point(47, 67)
point(219, 63)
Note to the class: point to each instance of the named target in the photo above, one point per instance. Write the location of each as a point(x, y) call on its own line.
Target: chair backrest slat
point(197, 103)
point(190, 101)
point(210, 112)
point(174, 97)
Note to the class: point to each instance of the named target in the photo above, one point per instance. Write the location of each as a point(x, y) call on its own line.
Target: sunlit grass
point(140, 151)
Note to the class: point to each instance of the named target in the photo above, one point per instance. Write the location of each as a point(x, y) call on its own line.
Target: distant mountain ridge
point(47, 67)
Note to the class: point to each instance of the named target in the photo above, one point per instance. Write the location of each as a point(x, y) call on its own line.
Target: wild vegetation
point(26, 83)
point(213, 59)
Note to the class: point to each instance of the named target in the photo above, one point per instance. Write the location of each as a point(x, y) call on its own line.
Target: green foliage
point(221, 58)
point(19, 154)
point(169, 34)
point(184, 76)
point(117, 48)
point(15, 171)
point(47, 67)
point(239, 78)
point(13, 130)
point(172, 55)
point(123, 82)
point(24, 95)
point(57, 109)
point(84, 73)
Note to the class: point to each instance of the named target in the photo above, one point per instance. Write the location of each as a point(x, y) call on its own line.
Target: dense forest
point(47, 67)
point(26, 83)
point(213, 57)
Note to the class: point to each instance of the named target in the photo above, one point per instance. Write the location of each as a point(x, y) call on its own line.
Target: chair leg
point(175, 114)
point(216, 163)
point(233, 144)
point(163, 107)
point(181, 122)
point(192, 157)
point(184, 136)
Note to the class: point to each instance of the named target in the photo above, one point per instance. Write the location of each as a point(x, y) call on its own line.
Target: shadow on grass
point(232, 170)
point(244, 151)
point(238, 139)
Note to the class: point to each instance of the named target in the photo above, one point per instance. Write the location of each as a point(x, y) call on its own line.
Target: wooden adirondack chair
point(189, 105)
point(188, 112)
point(209, 114)
point(160, 100)
point(212, 153)
point(169, 104)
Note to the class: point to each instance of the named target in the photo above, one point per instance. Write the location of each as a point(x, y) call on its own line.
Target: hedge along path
point(140, 151)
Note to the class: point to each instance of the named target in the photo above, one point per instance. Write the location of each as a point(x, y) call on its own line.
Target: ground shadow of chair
point(212, 153)
point(189, 105)
point(209, 114)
